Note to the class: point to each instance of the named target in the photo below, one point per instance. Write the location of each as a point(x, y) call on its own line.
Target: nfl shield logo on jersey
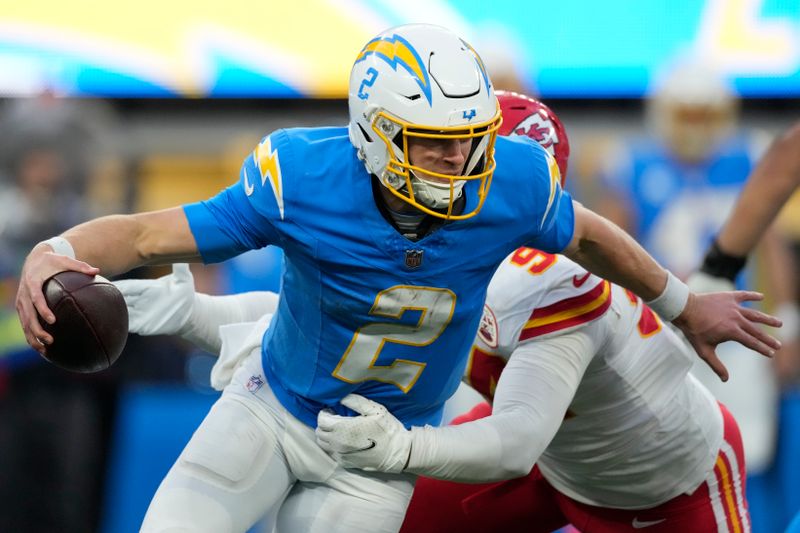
point(414, 258)
point(254, 384)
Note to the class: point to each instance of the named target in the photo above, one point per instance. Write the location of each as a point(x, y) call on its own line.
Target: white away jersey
point(639, 430)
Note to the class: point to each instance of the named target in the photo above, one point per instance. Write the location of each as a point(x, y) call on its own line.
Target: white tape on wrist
point(671, 302)
point(61, 246)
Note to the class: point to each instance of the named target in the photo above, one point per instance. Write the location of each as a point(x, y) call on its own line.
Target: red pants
point(531, 504)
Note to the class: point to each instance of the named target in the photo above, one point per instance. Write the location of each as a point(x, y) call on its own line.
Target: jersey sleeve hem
point(207, 233)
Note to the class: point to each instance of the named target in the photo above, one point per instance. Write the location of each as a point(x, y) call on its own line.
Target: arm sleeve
point(533, 395)
point(211, 312)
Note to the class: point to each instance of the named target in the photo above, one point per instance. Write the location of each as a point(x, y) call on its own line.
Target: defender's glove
point(159, 306)
point(373, 441)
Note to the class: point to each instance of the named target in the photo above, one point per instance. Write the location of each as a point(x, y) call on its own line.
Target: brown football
point(91, 325)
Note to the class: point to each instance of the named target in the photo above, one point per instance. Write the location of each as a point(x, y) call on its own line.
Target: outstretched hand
point(712, 318)
point(374, 440)
point(40, 266)
point(159, 306)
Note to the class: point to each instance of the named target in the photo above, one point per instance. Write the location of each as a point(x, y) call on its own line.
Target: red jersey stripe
point(569, 312)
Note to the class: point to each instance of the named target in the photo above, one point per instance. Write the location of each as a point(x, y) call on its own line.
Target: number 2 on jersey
point(436, 308)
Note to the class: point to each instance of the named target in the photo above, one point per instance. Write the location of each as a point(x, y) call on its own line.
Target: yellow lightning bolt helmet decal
point(397, 51)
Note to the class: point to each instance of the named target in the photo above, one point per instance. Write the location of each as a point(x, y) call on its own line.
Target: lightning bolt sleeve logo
point(555, 185)
point(270, 169)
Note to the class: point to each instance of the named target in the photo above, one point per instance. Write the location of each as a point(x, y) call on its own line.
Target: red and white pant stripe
point(726, 491)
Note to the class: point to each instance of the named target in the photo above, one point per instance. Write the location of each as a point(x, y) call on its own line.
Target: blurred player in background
point(673, 191)
point(384, 282)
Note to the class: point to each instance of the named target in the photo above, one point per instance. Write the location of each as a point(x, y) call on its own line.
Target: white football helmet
point(422, 81)
point(692, 109)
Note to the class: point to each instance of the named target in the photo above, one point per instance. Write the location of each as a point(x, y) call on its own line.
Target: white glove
point(375, 441)
point(159, 306)
point(700, 282)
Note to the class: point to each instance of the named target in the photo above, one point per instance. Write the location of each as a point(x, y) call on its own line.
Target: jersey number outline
point(539, 261)
point(436, 308)
point(649, 324)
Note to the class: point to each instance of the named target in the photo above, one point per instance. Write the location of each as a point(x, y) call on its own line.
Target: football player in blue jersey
point(389, 249)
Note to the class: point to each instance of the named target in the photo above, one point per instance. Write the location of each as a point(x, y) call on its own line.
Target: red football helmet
point(523, 115)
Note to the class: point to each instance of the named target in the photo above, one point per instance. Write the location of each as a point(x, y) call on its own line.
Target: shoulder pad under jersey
point(534, 294)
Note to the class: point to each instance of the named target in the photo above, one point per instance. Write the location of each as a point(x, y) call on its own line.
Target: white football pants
point(250, 458)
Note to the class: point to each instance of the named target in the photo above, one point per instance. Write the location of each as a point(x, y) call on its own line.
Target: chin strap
point(412, 224)
point(426, 192)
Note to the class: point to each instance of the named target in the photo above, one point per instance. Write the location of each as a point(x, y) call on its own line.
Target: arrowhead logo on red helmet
point(541, 129)
point(523, 115)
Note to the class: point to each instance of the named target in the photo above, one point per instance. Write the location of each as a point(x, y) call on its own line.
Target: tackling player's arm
point(169, 305)
point(530, 402)
point(531, 399)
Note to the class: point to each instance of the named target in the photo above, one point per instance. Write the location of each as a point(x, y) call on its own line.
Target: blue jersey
point(678, 207)
point(363, 309)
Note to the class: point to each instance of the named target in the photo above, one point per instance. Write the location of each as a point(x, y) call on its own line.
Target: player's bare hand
point(40, 265)
point(713, 318)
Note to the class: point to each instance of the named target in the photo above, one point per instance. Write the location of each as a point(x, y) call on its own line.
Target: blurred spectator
point(58, 167)
point(51, 424)
point(673, 190)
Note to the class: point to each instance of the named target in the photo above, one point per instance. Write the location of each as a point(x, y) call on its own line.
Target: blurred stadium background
point(121, 106)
